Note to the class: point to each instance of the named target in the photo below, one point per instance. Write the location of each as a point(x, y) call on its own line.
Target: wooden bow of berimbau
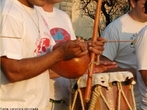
point(93, 56)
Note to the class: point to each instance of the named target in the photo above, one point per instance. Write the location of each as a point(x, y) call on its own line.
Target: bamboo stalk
point(93, 56)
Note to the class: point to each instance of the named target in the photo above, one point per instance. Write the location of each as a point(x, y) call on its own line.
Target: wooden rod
point(93, 56)
point(112, 41)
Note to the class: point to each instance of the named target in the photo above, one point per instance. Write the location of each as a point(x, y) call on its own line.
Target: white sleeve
point(140, 47)
point(11, 33)
point(110, 49)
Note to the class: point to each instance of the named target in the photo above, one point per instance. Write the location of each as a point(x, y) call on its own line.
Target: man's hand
point(103, 66)
point(96, 47)
point(72, 49)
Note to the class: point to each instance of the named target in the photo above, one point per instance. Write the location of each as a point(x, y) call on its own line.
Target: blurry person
point(125, 28)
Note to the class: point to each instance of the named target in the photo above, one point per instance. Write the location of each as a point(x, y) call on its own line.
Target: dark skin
point(26, 68)
point(17, 70)
point(103, 66)
point(31, 3)
point(48, 7)
point(132, 70)
point(144, 76)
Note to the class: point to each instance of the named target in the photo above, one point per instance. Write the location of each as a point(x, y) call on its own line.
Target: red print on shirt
point(42, 46)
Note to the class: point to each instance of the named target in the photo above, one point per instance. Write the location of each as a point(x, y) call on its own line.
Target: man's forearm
point(17, 70)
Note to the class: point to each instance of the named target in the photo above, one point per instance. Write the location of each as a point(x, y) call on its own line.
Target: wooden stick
point(93, 56)
point(107, 41)
point(111, 41)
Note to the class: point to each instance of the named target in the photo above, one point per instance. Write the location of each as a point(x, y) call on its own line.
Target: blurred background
point(82, 14)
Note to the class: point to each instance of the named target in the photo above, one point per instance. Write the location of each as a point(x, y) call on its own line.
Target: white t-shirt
point(123, 28)
point(21, 39)
point(61, 30)
point(141, 56)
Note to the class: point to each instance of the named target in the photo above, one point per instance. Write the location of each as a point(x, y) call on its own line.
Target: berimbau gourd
point(76, 67)
point(72, 68)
